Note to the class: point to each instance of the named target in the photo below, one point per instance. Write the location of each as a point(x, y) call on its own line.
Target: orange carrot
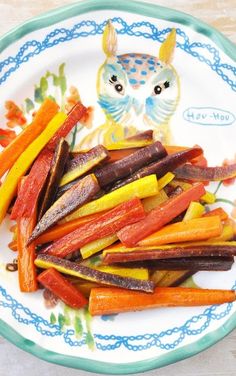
point(172, 149)
point(11, 153)
point(218, 211)
point(192, 230)
point(61, 230)
point(106, 301)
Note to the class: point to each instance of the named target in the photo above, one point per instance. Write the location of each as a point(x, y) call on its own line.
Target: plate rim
point(51, 17)
point(100, 367)
point(155, 11)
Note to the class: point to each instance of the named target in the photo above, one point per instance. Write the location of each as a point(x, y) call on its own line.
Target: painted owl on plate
point(136, 91)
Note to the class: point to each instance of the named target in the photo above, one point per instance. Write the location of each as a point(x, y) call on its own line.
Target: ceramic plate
point(60, 54)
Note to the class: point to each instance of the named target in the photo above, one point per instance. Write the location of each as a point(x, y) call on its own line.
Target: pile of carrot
point(137, 204)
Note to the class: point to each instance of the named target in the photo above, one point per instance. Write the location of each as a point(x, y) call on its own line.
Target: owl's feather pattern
point(139, 67)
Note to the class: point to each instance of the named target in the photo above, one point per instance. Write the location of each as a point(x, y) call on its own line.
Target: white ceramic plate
point(205, 114)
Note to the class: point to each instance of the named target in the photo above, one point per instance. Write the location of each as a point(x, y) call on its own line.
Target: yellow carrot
point(208, 198)
point(145, 187)
point(195, 210)
point(166, 179)
point(128, 144)
point(138, 273)
point(193, 230)
point(179, 183)
point(97, 245)
point(10, 154)
point(9, 186)
point(152, 202)
point(157, 276)
point(227, 234)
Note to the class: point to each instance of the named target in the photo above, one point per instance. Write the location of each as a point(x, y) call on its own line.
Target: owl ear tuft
point(109, 40)
point(167, 48)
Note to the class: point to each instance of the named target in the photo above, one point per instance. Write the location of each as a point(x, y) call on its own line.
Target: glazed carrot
point(12, 152)
point(105, 301)
point(29, 194)
point(62, 288)
point(76, 196)
point(193, 230)
point(195, 210)
point(9, 186)
point(97, 245)
point(172, 149)
point(32, 186)
point(26, 254)
point(61, 230)
point(218, 211)
point(145, 187)
point(107, 224)
point(161, 215)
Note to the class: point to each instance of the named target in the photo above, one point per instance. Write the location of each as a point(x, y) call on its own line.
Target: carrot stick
point(218, 211)
point(9, 186)
point(172, 149)
point(192, 230)
point(28, 196)
point(59, 231)
point(26, 255)
point(12, 152)
point(62, 288)
point(105, 301)
point(107, 224)
point(161, 215)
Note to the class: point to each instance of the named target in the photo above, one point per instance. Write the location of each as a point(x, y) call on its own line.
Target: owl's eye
point(157, 89)
point(118, 88)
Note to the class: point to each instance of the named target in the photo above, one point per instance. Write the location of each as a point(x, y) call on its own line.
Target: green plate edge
point(154, 11)
point(118, 368)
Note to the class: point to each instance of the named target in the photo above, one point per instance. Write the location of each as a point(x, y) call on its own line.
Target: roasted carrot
point(11, 153)
point(81, 271)
point(165, 252)
point(107, 224)
point(161, 215)
point(105, 301)
point(199, 173)
point(31, 191)
point(141, 188)
point(61, 230)
point(9, 186)
point(32, 186)
point(62, 288)
point(114, 171)
point(26, 254)
point(79, 194)
point(172, 149)
point(193, 230)
point(218, 211)
point(161, 167)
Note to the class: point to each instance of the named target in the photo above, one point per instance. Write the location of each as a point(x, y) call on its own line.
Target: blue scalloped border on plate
point(89, 28)
point(23, 315)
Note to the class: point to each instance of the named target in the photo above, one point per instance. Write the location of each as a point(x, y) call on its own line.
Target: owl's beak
point(138, 107)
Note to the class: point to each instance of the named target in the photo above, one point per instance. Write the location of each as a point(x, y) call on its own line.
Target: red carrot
point(30, 191)
point(26, 255)
point(107, 224)
point(62, 288)
point(161, 215)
